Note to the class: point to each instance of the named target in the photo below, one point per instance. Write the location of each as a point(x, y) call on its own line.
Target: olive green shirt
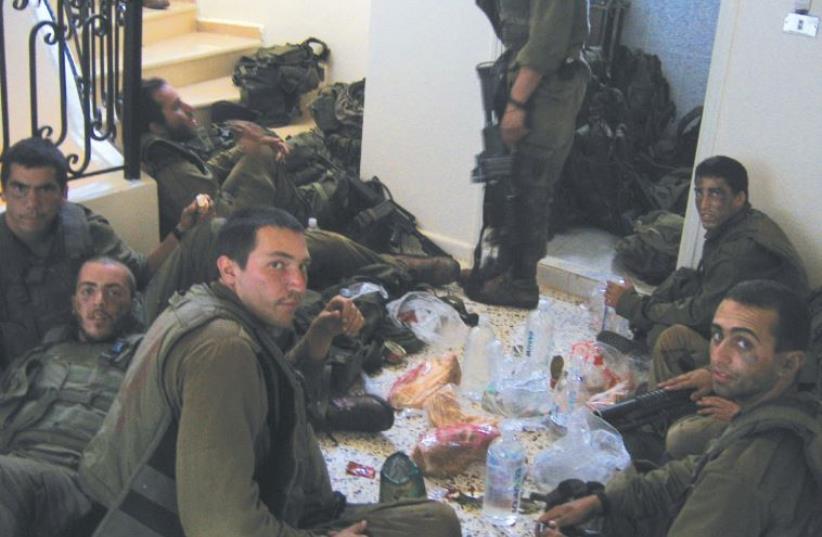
point(748, 246)
point(761, 478)
point(557, 30)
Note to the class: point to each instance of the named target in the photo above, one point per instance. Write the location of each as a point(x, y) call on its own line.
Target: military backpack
point(272, 80)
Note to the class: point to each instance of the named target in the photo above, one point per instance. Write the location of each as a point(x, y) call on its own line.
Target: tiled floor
point(571, 324)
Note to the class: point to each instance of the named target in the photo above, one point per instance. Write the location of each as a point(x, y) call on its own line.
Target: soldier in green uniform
point(547, 78)
point(53, 400)
point(177, 152)
point(763, 476)
point(44, 239)
point(209, 435)
point(741, 244)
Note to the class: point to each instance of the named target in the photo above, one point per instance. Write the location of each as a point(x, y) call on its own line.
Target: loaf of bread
point(413, 388)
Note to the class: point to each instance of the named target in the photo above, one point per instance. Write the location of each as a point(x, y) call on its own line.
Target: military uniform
point(209, 436)
point(761, 478)
point(333, 257)
point(233, 179)
point(52, 401)
point(546, 36)
point(748, 246)
point(35, 291)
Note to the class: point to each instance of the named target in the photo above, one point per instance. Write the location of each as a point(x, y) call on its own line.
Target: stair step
point(203, 94)
point(178, 18)
point(195, 57)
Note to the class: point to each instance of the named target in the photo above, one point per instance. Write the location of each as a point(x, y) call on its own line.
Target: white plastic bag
point(592, 450)
point(432, 320)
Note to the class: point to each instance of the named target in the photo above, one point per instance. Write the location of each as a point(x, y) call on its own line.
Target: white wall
point(423, 115)
point(341, 24)
point(764, 107)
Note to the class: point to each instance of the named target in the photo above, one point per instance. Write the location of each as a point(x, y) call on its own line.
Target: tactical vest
point(53, 400)
point(34, 293)
point(129, 466)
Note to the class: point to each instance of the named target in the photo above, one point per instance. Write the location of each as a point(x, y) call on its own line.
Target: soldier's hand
point(340, 316)
point(573, 512)
point(698, 380)
point(512, 127)
point(718, 408)
point(199, 210)
point(251, 136)
point(547, 530)
point(355, 529)
point(614, 291)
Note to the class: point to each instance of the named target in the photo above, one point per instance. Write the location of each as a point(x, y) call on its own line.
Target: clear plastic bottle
point(504, 474)
point(477, 359)
point(539, 338)
point(569, 392)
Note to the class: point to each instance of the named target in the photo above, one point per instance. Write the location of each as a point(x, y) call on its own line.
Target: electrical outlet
point(801, 24)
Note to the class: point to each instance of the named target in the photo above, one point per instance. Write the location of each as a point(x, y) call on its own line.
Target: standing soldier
point(546, 82)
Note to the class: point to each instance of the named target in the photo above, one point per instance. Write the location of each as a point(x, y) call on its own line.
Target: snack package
point(443, 409)
point(447, 451)
point(413, 388)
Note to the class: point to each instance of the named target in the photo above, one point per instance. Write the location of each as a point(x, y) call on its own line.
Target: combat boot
point(436, 271)
point(504, 290)
point(361, 413)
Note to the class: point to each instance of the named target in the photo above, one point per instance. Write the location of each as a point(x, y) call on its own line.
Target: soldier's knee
point(674, 337)
point(445, 518)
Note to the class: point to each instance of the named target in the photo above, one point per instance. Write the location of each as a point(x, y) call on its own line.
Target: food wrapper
point(413, 388)
point(443, 409)
point(447, 451)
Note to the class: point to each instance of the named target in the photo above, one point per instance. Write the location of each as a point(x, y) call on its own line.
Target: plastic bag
point(515, 397)
point(592, 450)
point(432, 320)
point(447, 451)
point(604, 317)
point(418, 384)
point(358, 289)
point(443, 409)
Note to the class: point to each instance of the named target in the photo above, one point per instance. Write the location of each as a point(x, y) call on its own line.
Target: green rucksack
point(272, 80)
point(338, 112)
point(651, 252)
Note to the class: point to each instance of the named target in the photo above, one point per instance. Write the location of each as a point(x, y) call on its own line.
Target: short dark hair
point(110, 261)
point(793, 326)
point(150, 111)
point(238, 237)
point(35, 152)
point(731, 170)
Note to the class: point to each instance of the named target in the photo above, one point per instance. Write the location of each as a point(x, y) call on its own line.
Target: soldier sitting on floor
point(763, 476)
point(53, 400)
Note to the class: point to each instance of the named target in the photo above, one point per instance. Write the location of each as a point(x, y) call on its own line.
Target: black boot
point(361, 413)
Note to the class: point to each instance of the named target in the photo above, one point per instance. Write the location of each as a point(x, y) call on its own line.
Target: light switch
point(801, 24)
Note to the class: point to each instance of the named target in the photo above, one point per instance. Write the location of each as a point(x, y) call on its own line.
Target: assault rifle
point(495, 162)
point(494, 166)
point(652, 407)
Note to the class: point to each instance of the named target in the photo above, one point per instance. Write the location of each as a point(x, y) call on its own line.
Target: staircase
point(197, 57)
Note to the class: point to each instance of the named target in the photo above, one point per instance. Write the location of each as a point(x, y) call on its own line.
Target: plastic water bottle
point(504, 475)
point(477, 359)
point(539, 338)
point(569, 393)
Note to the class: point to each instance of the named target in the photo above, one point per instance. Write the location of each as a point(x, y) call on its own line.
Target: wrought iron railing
point(99, 46)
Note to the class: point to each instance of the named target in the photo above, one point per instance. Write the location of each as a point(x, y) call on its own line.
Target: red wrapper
point(360, 470)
